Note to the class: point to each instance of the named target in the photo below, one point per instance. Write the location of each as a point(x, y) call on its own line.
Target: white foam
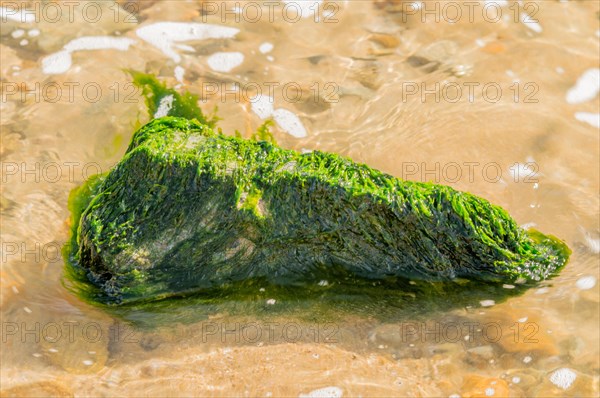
point(98, 43)
point(17, 33)
point(179, 72)
point(531, 23)
point(165, 105)
point(225, 62)
point(586, 282)
point(60, 62)
point(56, 63)
point(563, 378)
point(593, 119)
point(163, 35)
point(266, 47)
point(306, 8)
point(16, 15)
point(586, 88)
point(289, 122)
point(522, 172)
point(327, 392)
point(593, 244)
point(262, 105)
point(499, 3)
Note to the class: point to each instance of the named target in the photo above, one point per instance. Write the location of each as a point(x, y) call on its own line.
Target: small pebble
point(87, 362)
point(527, 359)
point(27, 310)
point(271, 301)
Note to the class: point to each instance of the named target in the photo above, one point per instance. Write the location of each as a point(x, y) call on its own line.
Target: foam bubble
point(531, 23)
point(225, 62)
point(327, 392)
point(499, 3)
point(487, 303)
point(165, 105)
point(593, 119)
point(98, 43)
point(586, 282)
point(179, 72)
point(60, 62)
point(17, 33)
point(266, 47)
point(164, 35)
point(289, 122)
point(262, 105)
point(304, 7)
point(563, 378)
point(586, 88)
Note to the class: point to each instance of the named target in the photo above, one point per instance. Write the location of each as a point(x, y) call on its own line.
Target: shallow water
point(357, 78)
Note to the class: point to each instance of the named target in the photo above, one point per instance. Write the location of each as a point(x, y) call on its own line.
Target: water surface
point(505, 108)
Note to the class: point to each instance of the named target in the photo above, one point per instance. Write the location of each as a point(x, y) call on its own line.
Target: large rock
point(188, 209)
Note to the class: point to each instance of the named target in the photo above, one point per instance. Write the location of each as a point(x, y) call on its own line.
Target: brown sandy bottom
point(273, 371)
point(289, 370)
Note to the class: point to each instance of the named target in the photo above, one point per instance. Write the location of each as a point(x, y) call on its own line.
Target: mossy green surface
point(189, 210)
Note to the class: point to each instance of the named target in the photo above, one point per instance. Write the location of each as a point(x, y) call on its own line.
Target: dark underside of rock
point(188, 209)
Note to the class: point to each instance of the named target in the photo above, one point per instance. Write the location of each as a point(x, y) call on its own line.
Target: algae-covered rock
point(188, 209)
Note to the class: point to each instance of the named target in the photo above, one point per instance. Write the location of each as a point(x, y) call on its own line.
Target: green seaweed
point(183, 105)
point(194, 214)
point(188, 210)
point(263, 133)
